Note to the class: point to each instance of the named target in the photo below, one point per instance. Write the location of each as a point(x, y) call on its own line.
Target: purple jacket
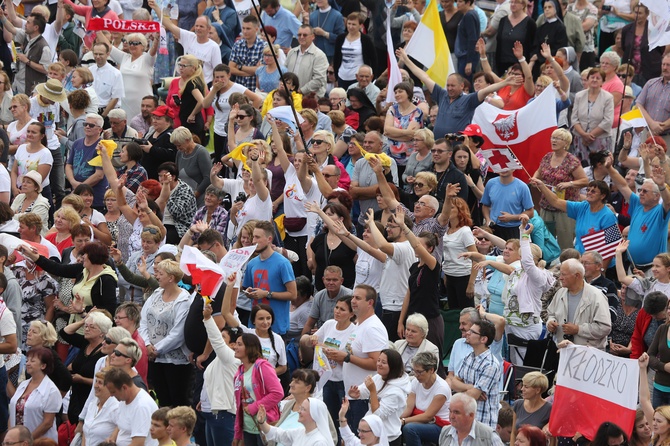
point(267, 389)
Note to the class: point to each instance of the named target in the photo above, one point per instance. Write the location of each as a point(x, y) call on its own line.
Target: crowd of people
point(381, 230)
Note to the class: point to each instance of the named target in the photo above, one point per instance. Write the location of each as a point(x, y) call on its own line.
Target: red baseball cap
point(163, 110)
point(472, 130)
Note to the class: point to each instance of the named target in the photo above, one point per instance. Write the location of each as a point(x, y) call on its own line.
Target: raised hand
point(481, 47)
point(375, 164)
point(312, 207)
point(545, 50)
point(623, 247)
point(518, 50)
point(344, 409)
point(115, 254)
point(216, 168)
point(453, 189)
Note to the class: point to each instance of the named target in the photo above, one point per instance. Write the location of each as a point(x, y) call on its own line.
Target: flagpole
point(519, 161)
point(281, 74)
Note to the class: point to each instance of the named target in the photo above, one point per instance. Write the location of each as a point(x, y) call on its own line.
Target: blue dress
point(268, 81)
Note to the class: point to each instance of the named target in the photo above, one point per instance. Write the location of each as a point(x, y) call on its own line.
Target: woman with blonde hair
point(162, 328)
point(186, 95)
point(268, 74)
point(64, 219)
point(43, 334)
point(16, 130)
point(420, 160)
point(322, 148)
point(563, 171)
point(531, 408)
point(137, 69)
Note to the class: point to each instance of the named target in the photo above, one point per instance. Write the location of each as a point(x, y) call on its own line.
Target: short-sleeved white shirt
point(45, 399)
point(134, 420)
point(424, 397)
point(5, 179)
point(27, 161)
point(394, 284)
point(7, 327)
point(369, 336)
point(295, 198)
point(266, 346)
point(108, 84)
point(455, 244)
point(331, 337)
point(100, 423)
point(209, 53)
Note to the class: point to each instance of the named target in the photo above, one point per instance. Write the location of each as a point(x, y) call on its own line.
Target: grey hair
point(611, 57)
point(117, 333)
point(141, 14)
point(419, 321)
point(575, 266)
point(132, 349)
point(103, 322)
point(472, 312)
point(180, 135)
point(596, 256)
point(433, 203)
point(654, 186)
point(211, 189)
point(117, 113)
point(365, 66)
point(99, 120)
point(469, 403)
point(425, 360)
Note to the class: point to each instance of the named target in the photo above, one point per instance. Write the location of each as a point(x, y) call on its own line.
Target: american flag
point(604, 241)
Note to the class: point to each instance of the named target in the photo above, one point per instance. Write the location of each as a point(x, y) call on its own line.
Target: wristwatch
point(269, 296)
point(348, 357)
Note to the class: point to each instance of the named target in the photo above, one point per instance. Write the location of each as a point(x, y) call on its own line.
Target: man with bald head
point(364, 79)
point(18, 436)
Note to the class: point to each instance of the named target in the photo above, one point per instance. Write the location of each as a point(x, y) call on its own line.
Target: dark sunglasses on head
point(152, 231)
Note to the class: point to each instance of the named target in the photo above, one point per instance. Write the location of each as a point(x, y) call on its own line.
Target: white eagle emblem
point(506, 127)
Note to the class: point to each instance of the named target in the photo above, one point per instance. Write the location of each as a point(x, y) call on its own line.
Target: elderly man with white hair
point(649, 218)
point(118, 122)
point(464, 429)
point(579, 311)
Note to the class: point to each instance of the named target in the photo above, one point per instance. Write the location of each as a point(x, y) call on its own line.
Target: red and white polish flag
point(202, 270)
point(593, 387)
point(501, 160)
point(526, 131)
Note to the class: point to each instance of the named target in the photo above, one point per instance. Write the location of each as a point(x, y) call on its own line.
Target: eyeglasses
point(90, 125)
point(364, 431)
point(416, 140)
point(12, 107)
point(389, 226)
point(267, 55)
point(118, 353)
point(418, 372)
point(181, 65)
point(152, 231)
point(134, 43)
point(303, 34)
point(318, 141)
point(118, 318)
point(109, 341)
point(471, 331)
point(330, 175)
point(91, 327)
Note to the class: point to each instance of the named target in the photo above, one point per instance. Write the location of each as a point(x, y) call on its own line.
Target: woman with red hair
point(528, 435)
point(460, 280)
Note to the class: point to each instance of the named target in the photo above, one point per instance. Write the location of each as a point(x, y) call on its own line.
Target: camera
point(454, 137)
point(140, 141)
point(227, 202)
point(241, 197)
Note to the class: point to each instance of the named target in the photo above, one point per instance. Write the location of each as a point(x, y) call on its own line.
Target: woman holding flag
point(591, 216)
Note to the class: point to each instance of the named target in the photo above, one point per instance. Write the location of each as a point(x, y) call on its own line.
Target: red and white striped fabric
point(526, 131)
point(593, 387)
point(604, 242)
point(203, 271)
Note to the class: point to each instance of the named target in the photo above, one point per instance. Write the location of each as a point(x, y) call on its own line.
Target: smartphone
point(176, 99)
point(527, 226)
point(607, 8)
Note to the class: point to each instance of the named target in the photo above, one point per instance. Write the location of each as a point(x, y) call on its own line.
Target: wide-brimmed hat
point(36, 177)
point(52, 89)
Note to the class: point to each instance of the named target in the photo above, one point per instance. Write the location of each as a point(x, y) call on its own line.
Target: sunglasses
point(328, 175)
point(330, 72)
point(152, 231)
point(134, 43)
point(118, 353)
point(90, 125)
point(318, 141)
point(242, 116)
point(419, 185)
point(108, 341)
point(438, 151)
point(12, 107)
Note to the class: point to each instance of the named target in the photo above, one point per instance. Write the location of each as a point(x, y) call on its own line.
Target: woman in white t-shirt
point(333, 335)
point(427, 410)
point(16, 130)
point(258, 205)
point(32, 155)
point(458, 239)
point(95, 218)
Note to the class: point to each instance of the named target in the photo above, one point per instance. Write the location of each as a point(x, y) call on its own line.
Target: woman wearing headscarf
point(370, 429)
point(313, 415)
point(361, 104)
point(552, 31)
